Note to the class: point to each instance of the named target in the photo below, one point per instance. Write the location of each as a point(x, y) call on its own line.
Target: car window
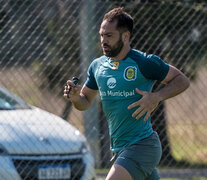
point(9, 101)
point(5, 105)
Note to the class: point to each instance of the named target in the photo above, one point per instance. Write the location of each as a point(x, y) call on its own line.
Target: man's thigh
point(132, 170)
point(118, 172)
point(141, 158)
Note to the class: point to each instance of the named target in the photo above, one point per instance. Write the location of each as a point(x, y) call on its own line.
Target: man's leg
point(138, 160)
point(118, 172)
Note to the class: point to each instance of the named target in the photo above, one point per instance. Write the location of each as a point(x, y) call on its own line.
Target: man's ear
point(126, 36)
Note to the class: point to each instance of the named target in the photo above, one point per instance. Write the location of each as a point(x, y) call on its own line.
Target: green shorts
point(141, 158)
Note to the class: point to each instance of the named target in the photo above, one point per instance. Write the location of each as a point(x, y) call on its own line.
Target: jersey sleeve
point(91, 81)
point(154, 68)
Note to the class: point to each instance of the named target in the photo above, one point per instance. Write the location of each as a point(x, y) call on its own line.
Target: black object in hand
point(75, 81)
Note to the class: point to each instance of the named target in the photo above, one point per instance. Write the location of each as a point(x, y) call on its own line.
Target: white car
point(38, 145)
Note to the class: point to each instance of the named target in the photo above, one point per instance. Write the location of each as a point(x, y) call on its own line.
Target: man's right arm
point(81, 98)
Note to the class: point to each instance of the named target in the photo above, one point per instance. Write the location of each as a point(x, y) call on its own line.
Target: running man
point(124, 78)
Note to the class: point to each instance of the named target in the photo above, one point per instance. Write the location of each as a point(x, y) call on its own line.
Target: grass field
point(193, 178)
point(187, 143)
point(104, 171)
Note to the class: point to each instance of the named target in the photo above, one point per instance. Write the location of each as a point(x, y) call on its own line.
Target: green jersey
point(116, 82)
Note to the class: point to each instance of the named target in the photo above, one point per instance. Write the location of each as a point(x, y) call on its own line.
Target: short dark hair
point(124, 21)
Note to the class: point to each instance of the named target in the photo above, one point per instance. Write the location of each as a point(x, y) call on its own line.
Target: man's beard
point(115, 50)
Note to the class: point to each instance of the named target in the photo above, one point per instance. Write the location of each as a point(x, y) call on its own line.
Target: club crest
point(130, 73)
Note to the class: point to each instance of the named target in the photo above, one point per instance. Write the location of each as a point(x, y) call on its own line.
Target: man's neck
point(122, 54)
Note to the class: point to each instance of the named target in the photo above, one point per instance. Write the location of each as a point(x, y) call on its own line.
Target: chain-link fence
point(44, 43)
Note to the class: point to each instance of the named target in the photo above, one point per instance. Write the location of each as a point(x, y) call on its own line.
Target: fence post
point(88, 53)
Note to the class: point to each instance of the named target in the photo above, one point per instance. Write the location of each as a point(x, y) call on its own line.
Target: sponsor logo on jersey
point(130, 73)
point(117, 93)
point(111, 83)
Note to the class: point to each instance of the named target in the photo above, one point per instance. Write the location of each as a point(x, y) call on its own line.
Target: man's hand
point(146, 105)
point(71, 91)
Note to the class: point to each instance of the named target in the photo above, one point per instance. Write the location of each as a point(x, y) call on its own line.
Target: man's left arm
point(175, 83)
